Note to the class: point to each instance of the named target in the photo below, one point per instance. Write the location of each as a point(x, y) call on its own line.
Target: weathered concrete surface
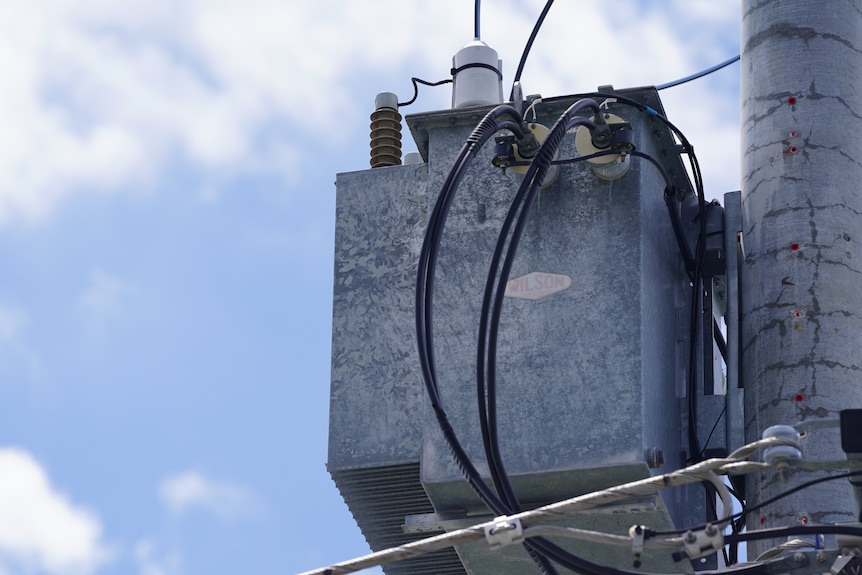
point(802, 172)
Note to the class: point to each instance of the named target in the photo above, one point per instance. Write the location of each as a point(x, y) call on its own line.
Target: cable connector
point(610, 133)
point(504, 531)
point(528, 145)
point(701, 543)
point(504, 152)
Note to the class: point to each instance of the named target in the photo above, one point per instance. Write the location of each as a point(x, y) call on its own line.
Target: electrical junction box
point(590, 358)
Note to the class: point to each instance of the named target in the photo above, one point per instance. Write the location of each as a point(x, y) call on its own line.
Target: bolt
point(821, 557)
point(690, 537)
point(654, 457)
point(799, 557)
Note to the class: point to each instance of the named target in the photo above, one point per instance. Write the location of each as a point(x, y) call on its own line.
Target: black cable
point(417, 81)
point(424, 321)
point(521, 206)
point(736, 525)
point(776, 532)
point(711, 431)
point(534, 177)
point(684, 248)
point(742, 514)
point(424, 307)
point(698, 75)
point(691, 387)
point(489, 316)
point(719, 340)
point(711, 492)
point(529, 45)
point(476, 9)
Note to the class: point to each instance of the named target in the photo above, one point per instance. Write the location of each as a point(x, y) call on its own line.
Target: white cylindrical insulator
point(779, 452)
point(476, 85)
point(385, 131)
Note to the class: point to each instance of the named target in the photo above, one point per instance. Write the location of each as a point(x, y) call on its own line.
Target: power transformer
point(593, 349)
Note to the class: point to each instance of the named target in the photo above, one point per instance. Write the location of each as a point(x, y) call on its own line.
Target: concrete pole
point(802, 235)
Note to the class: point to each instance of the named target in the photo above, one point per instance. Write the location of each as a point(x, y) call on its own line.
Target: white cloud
point(40, 529)
point(101, 96)
point(151, 562)
point(12, 320)
point(104, 293)
point(192, 490)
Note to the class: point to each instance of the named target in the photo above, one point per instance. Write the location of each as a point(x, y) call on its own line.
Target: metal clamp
point(503, 531)
point(637, 533)
point(703, 542)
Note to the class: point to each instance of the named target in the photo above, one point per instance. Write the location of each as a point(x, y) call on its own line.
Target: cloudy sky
point(166, 223)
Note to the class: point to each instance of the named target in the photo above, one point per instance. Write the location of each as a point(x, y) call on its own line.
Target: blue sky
point(166, 218)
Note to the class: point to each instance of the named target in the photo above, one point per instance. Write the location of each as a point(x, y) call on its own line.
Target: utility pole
point(802, 238)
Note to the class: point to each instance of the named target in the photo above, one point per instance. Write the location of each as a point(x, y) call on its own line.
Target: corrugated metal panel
point(379, 499)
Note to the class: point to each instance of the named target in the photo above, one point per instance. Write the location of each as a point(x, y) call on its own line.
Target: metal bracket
point(846, 565)
point(503, 531)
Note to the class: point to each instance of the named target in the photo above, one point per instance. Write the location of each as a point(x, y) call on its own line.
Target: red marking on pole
point(791, 100)
point(797, 314)
point(763, 520)
point(793, 134)
point(804, 520)
point(794, 246)
point(793, 149)
point(798, 398)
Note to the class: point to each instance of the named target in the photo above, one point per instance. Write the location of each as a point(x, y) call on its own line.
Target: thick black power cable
point(428, 257)
point(528, 46)
point(476, 9)
point(493, 452)
point(424, 307)
point(492, 449)
point(425, 339)
point(486, 348)
point(524, 198)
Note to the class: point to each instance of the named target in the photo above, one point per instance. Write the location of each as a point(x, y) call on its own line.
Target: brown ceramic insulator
point(385, 138)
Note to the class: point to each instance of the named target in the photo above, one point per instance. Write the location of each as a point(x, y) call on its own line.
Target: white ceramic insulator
point(778, 452)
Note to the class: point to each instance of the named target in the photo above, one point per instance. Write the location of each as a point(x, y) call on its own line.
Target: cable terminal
point(503, 531)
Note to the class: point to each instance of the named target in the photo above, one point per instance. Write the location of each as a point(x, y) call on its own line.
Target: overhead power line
point(700, 74)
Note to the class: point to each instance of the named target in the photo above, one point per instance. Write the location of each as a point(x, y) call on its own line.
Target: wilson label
point(537, 285)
